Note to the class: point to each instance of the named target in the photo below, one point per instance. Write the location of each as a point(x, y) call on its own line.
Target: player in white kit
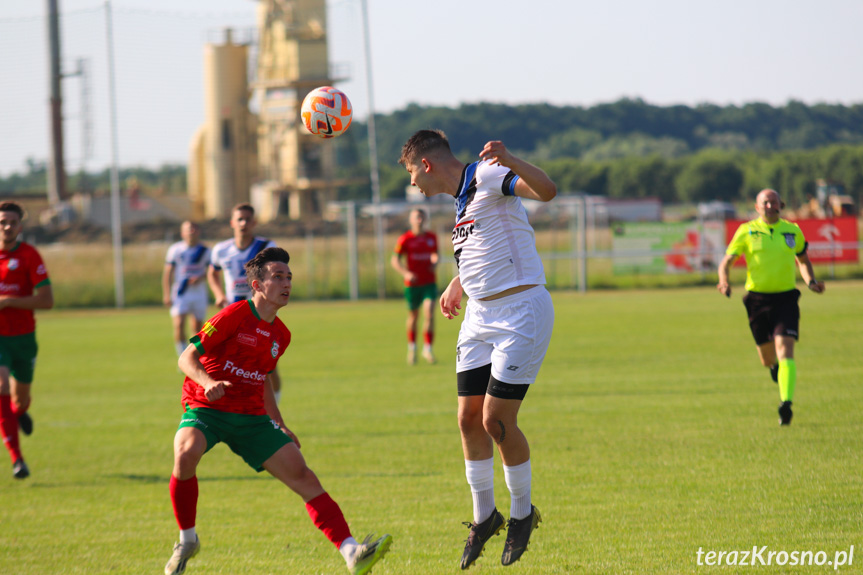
point(229, 258)
point(507, 325)
point(184, 285)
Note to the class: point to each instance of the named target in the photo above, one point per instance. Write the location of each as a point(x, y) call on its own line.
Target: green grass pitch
point(653, 431)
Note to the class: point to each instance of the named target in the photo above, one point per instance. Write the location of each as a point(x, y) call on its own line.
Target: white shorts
point(511, 333)
point(195, 304)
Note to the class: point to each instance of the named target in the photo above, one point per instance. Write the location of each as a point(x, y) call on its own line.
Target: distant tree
point(575, 176)
point(635, 146)
point(642, 178)
point(709, 176)
point(572, 143)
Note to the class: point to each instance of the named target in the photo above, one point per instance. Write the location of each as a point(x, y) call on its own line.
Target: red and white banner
point(830, 240)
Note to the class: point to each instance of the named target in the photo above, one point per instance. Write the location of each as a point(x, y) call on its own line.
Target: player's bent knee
point(496, 429)
point(189, 446)
point(469, 419)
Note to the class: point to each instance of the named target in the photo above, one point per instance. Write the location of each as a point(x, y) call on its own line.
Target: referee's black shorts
point(773, 314)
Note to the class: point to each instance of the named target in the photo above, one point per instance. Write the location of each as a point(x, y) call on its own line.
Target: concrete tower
point(296, 169)
point(269, 160)
point(223, 158)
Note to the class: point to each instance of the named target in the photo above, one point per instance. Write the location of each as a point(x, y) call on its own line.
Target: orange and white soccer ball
point(326, 112)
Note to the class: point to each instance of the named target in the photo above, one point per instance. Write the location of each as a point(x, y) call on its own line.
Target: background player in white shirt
point(184, 286)
point(229, 258)
point(507, 324)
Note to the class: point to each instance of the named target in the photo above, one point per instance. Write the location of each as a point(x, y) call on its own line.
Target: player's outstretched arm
point(450, 300)
point(534, 184)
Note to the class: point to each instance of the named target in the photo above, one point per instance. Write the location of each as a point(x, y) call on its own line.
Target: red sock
point(429, 336)
point(184, 497)
point(9, 427)
point(16, 411)
point(327, 517)
point(412, 337)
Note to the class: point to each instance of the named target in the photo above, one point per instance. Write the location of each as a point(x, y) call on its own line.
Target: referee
point(771, 246)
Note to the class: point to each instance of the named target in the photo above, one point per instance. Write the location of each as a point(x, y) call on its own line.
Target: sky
point(433, 52)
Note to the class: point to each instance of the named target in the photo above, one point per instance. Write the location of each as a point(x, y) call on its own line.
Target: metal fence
point(581, 246)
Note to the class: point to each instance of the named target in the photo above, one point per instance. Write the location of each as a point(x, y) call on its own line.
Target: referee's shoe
point(785, 413)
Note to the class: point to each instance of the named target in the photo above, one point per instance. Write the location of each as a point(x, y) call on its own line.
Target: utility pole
point(56, 167)
point(373, 161)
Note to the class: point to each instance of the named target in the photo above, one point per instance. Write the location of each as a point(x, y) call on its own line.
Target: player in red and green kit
point(771, 247)
point(227, 397)
point(24, 287)
point(419, 248)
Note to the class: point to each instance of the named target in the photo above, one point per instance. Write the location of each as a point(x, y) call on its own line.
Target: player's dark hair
point(243, 207)
point(423, 143)
point(255, 267)
point(12, 207)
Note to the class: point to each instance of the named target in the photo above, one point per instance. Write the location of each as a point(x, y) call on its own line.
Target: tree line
point(632, 149)
point(625, 149)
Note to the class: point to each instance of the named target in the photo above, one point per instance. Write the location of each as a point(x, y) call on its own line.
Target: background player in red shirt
point(227, 398)
point(24, 287)
point(419, 248)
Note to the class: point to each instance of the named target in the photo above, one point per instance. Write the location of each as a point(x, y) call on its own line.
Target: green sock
point(787, 379)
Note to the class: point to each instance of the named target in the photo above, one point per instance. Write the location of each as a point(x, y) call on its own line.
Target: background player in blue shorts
point(184, 282)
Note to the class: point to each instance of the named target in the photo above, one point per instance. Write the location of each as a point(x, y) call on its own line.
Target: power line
point(133, 11)
point(39, 17)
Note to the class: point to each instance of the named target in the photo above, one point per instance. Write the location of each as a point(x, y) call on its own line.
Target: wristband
point(812, 282)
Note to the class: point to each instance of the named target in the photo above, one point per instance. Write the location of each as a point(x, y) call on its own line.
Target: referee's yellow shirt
point(770, 251)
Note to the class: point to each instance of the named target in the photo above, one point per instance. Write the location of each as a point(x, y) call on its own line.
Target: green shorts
point(18, 355)
point(255, 438)
point(415, 295)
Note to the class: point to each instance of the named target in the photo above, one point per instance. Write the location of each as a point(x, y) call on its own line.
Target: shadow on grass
point(381, 474)
point(166, 478)
point(260, 477)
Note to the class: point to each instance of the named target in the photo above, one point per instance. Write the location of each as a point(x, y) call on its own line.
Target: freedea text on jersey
point(254, 377)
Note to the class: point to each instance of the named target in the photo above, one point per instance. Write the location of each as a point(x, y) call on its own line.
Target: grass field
point(653, 431)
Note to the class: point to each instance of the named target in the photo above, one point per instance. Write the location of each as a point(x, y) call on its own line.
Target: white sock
point(480, 477)
point(517, 480)
point(412, 346)
point(427, 348)
point(188, 535)
point(180, 347)
point(278, 395)
point(348, 548)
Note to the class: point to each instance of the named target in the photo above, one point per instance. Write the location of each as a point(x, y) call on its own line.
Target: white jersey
point(228, 258)
point(494, 245)
point(188, 262)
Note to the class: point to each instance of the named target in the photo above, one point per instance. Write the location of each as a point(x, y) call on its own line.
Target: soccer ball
point(326, 112)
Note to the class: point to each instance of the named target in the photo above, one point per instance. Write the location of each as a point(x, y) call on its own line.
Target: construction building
point(267, 159)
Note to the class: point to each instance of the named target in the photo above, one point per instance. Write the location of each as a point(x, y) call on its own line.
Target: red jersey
point(236, 345)
point(418, 249)
point(21, 272)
